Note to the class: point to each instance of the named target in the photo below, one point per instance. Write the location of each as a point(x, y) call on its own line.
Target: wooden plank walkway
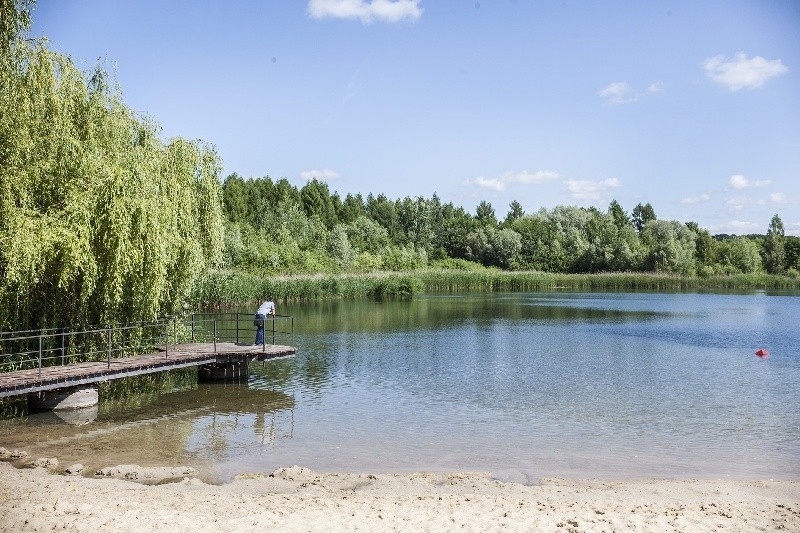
point(178, 356)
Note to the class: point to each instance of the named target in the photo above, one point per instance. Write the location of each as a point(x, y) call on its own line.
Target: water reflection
point(155, 429)
point(443, 312)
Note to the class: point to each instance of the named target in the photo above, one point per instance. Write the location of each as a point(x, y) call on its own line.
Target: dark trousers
point(260, 330)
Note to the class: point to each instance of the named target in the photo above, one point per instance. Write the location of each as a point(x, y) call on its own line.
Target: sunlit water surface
point(520, 385)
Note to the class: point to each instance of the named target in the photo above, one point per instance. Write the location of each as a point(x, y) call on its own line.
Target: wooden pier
point(49, 378)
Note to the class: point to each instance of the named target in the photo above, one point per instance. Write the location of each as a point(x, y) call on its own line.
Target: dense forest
point(103, 221)
point(275, 227)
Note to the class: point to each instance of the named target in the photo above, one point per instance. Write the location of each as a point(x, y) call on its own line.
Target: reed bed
point(229, 288)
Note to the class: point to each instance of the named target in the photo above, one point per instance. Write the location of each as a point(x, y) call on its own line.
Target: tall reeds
point(223, 289)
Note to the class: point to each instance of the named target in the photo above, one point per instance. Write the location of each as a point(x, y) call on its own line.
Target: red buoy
point(762, 353)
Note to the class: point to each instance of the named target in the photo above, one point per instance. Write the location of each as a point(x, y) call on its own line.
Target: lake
point(522, 385)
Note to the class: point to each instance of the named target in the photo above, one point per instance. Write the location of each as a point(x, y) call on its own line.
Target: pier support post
point(231, 372)
point(68, 399)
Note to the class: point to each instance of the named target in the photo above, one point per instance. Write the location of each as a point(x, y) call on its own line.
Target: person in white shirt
point(266, 308)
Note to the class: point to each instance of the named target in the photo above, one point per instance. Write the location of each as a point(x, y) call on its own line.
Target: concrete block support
point(68, 399)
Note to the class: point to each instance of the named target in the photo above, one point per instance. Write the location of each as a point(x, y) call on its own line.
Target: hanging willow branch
point(100, 221)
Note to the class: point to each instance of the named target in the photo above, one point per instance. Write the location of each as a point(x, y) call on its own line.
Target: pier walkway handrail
point(32, 349)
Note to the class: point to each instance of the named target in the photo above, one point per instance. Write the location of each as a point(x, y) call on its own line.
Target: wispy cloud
point(620, 92)
point(740, 72)
point(739, 202)
point(587, 190)
point(493, 184)
point(617, 93)
point(524, 177)
point(696, 199)
point(743, 226)
point(322, 175)
point(365, 11)
point(737, 181)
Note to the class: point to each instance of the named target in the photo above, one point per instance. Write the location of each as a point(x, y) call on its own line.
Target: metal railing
point(22, 350)
point(239, 328)
point(36, 349)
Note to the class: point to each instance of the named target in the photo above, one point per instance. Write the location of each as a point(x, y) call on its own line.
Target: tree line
point(276, 227)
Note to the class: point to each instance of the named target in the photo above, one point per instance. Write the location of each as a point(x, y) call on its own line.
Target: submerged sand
point(298, 499)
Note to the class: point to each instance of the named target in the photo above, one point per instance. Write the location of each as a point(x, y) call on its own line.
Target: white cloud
point(617, 93)
point(738, 202)
point(365, 11)
point(740, 72)
point(696, 199)
point(742, 226)
point(778, 198)
point(737, 181)
point(734, 227)
point(591, 190)
point(493, 184)
point(620, 92)
point(322, 175)
point(524, 177)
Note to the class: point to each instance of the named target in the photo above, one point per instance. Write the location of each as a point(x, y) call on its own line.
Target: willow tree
point(100, 220)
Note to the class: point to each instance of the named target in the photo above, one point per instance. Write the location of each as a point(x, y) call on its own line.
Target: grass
point(228, 288)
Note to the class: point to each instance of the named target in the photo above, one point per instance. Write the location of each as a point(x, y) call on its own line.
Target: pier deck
point(176, 356)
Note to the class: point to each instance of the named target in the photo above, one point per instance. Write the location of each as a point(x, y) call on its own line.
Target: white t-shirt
point(267, 308)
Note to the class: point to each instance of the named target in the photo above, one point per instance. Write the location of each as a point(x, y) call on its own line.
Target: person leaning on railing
point(266, 308)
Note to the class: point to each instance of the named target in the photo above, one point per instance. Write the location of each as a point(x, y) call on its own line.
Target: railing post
point(109, 346)
point(63, 354)
point(175, 331)
point(192, 327)
point(215, 335)
point(292, 330)
point(273, 329)
point(166, 340)
point(40, 355)
point(237, 328)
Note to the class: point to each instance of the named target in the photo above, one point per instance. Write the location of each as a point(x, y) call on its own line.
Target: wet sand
point(298, 499)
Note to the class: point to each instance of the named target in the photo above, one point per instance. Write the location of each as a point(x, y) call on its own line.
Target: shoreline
point(299, 499)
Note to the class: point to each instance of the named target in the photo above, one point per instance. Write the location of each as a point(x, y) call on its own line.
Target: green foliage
point(100, 221)
point(618, 215)
point(791, 247)
point(515, 212)
point(774, 253)
point(15, 21)
point(224, 289)
point(339, 248)
point(367, 235)
point(484, 214)
point(739, 255)
point(670, 247)
point(404, 258)
point(641, 215)
point(317, 202)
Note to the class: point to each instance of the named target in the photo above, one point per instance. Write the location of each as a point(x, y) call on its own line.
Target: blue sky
point(691, 106)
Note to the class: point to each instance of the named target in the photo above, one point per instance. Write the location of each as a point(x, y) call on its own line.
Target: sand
point(297, 499)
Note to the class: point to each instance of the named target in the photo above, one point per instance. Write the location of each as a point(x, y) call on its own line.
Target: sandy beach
point(298, 499)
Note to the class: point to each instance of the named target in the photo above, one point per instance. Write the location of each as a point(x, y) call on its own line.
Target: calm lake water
point(523, 385)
